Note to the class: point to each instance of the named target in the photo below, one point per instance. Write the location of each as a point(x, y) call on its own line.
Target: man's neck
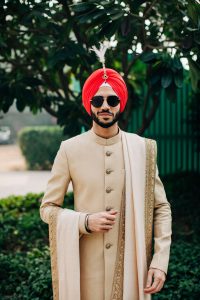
point(105, 132)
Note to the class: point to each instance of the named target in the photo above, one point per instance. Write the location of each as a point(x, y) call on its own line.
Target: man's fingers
point(149, 278)
point(158, 281)
point(106, 227)
point(113, 212)
point(160, 286)
point(107, 222)
point(110, 215)
point(156, 288)
point(154, 285)
point(152, 289)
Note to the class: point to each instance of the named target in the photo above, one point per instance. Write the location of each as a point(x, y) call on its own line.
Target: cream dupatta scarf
point(139, 204)
point(140, 166)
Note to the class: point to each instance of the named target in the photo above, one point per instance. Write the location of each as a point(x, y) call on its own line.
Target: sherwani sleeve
point(162, 227)
point(57, 187)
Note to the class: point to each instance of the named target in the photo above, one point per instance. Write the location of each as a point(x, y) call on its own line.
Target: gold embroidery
point(53, 251)
point(117, 288)
point(149, 195)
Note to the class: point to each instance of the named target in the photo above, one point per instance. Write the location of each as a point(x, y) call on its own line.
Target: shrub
point(22, 228)
point(26, 275)
point(24, 259)
point(39, 145)
point(183, 192)
point(183, 274)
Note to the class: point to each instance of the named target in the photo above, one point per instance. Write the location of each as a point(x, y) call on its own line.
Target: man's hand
point(155, 281)
point(102, 221)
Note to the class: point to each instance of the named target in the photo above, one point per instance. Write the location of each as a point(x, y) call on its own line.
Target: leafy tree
point(44, 53)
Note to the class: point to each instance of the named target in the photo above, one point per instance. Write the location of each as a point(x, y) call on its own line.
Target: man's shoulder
point(138, 138)
point(76, 140)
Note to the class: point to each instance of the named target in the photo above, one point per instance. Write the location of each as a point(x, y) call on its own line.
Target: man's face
point(105, 116)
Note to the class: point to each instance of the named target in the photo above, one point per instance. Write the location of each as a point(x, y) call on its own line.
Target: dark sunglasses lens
point(113, 101)
point(97, 101)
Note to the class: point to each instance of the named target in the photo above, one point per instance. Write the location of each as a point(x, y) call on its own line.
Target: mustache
point(105, 111)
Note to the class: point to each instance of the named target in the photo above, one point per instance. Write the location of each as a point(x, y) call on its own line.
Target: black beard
point(105, 125)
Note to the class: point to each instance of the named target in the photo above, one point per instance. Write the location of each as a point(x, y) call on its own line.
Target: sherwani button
point(108, 189)
point(108, 171)
point(108, 208)
point(108, 245)
point(108, 153)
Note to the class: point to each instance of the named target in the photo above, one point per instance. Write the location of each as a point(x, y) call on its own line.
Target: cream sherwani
point(95, 166)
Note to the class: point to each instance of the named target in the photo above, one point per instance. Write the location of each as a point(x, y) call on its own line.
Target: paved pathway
point(23, 182)
point(11, 158)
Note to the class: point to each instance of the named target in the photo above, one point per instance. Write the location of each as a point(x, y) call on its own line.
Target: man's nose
point(105, 104)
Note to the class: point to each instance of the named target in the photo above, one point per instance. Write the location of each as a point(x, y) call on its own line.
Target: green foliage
point(193, 119)
point(45, 53)
point(26, 275)
point(19, 216)
point(25, 269)
point(24, 259)
point(183, 193)
point(183, 274)
point(39, 145)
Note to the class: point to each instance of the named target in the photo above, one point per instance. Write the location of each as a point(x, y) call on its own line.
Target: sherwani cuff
point(156, 263)
point(82, 228)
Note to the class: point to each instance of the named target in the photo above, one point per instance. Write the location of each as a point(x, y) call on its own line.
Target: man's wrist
point(159, 270)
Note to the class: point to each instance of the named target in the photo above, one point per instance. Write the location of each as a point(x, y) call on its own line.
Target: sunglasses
point(97, 101)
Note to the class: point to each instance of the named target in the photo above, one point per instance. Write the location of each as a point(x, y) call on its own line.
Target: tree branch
point(80, 36)
point(64, 83)
point(136, 16)
point(50, 110)
point(49, 82)
point(149, 8)
point(147, 120)
point(131, 64)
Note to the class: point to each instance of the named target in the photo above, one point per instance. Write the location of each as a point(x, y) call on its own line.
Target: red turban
point(96, 79)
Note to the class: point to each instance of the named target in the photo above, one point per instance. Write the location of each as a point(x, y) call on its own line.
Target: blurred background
point(45, 59)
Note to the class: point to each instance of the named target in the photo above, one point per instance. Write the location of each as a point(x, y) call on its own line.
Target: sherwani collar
point(103, 141)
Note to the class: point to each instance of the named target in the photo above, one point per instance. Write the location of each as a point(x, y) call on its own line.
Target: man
point(102, 249)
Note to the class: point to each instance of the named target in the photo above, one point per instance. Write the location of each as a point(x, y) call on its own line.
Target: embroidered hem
point(53, 250)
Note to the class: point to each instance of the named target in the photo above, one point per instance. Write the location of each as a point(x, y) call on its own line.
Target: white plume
point(100, 53)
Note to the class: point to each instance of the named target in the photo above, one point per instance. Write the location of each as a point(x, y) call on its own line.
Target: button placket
point(108, 153)
point(108, 208)
point(108, 192)
point(108, 189)
point(108, 245)
point(108, 171)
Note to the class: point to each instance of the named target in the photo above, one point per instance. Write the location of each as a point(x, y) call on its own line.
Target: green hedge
point(183, 274)
point(24, 256)
point(24, 259)
point(39, 145)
